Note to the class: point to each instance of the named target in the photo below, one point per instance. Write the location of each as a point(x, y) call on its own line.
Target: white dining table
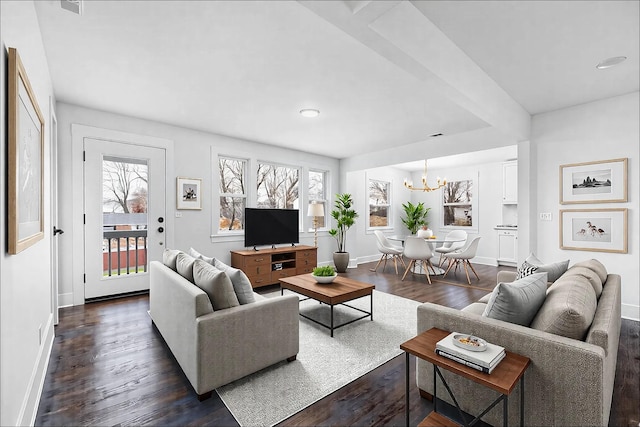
point(433, 243)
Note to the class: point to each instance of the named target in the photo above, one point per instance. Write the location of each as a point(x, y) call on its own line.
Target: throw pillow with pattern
point(526, 269)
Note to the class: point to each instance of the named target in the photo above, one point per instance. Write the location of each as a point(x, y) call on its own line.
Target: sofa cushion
point(590, 275)
point(517, 302)
point(216, 284)
point(169, 258)
point(475, 308)
point(198, 255)
point(241, 284)
point(596, 266)
point(568, 309)
point(554, 270)
point(184, 266)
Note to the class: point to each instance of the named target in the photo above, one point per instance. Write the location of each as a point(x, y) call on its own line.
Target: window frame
point(245, 195)
point(324, 201)
point(388, 205)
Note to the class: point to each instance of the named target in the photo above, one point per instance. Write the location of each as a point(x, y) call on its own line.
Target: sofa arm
point(238, 341)
point(563, 385)
point(506, 276)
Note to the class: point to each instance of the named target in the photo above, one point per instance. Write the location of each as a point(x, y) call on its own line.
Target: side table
point(503, 379)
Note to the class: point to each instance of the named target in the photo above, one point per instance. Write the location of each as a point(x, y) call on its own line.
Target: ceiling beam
point(402, 34)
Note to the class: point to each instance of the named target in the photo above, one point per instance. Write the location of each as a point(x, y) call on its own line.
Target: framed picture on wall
point(188, 193)
point(594, 182)
point(26, 160)
point(599, 230)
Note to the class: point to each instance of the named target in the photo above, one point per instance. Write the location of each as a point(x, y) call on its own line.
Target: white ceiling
point(383, 73)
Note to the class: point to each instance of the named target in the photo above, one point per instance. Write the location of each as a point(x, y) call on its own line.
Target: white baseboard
point(631, 312)
point(31, 400)
point(65, 300)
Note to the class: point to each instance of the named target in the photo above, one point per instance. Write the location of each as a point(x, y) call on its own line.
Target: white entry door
point(124, 202)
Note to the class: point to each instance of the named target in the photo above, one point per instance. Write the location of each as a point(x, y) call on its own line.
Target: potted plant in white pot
point(415, 216)
point(345, 217)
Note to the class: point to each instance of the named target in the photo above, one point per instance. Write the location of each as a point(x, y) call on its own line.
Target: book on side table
point(484, 357)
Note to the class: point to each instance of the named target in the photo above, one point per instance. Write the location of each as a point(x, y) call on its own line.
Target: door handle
point(57, 230)
point(160, 229)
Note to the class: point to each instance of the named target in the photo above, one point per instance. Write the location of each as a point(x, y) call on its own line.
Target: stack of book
point(484, 361)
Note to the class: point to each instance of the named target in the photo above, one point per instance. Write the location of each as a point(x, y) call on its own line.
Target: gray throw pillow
point(184, 266)
point(198, 255)
point(554, 270)
point(216, 284)
point(241, 284)
point(518, 302)
point(169, 257)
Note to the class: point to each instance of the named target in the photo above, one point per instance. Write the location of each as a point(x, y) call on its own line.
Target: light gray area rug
point(324, 364)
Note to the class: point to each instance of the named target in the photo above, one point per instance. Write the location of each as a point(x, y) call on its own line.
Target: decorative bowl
point(324, 279)
point(469, 342)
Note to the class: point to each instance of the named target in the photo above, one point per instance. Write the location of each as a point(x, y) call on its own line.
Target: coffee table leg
point(505, 411)
point(371, 307)
point(331, 320)
point(406, 391)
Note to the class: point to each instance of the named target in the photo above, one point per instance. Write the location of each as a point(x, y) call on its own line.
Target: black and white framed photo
point(26, 160)
point(594, 182)
point(599, 230)
point(188, 193)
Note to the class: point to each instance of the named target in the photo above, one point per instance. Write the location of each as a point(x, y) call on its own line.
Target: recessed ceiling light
point(309, 112)
point(610, 62)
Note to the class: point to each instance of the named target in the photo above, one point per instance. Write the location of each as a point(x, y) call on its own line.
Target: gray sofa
point(217, 347)
point(569, 381)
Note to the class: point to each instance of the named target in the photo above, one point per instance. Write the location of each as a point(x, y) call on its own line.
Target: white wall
point(195, 156)
point(600, 130)
point(25, 285)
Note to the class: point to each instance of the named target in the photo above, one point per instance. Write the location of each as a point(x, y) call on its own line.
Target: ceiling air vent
point(74, 6)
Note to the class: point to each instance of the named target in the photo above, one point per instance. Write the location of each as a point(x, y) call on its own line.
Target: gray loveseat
point(569, 381)
point(217, 347)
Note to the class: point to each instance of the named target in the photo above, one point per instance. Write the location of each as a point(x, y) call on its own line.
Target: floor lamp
point(316, 210)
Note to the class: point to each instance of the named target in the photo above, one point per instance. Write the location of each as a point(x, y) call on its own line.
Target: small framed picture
point(188, 193)
point(594, 182)
point(599, 230)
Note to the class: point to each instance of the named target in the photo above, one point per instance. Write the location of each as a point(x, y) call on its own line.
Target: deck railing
point(125, 252)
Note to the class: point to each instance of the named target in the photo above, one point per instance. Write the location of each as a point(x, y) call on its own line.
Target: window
point(233, 196)
point(277, 186)
point(317, 192)
point(379, 203)
point(457, 204)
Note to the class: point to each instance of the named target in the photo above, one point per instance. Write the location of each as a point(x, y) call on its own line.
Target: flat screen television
point(270, 226)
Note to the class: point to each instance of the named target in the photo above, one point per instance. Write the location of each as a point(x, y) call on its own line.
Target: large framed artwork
point(188, 193)
point(599, 230)
point(594, 182)
point(26, 160)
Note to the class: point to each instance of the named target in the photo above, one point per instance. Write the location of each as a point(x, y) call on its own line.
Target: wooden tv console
point(266, 266)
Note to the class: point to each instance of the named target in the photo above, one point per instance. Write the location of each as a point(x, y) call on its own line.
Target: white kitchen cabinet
point(510, 182)
point(508, 247)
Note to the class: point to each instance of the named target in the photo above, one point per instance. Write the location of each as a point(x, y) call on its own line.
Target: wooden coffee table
point(340, 291)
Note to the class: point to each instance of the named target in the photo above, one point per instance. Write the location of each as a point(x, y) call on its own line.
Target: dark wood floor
point(109, 366)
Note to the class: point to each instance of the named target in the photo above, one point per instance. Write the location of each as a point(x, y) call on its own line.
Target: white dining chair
point(452, 242)
point(464, 256)
point(419, 252)
point(388, 250)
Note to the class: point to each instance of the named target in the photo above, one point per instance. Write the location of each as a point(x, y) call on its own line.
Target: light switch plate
point(545, 216)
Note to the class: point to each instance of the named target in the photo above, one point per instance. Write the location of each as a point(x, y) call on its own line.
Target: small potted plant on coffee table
point(324, 274)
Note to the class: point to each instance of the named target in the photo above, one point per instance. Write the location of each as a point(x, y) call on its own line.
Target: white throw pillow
point(184, 266)
point(169, 257)
point(518, 302)
point(198, 255)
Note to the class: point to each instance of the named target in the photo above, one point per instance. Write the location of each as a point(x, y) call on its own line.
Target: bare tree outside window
point(277, 186)
point(232, 193)
point(456, 203)
point(379, 203)
point(124, 187)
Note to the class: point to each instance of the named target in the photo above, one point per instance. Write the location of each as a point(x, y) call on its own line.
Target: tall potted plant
point(345, 217)
point(415, 216)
